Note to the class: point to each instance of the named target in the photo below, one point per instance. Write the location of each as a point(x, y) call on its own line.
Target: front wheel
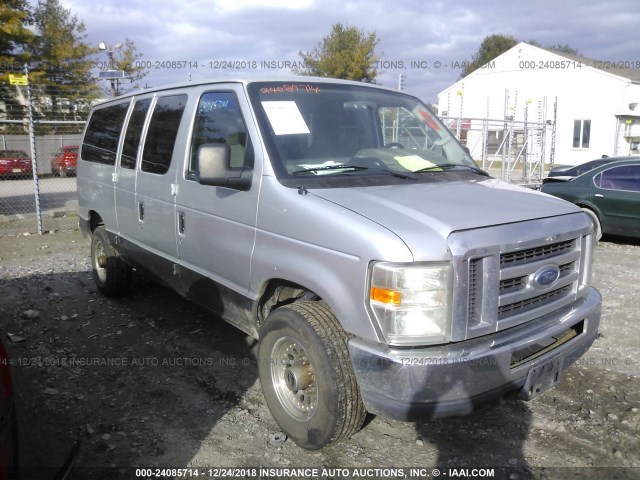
point(111, 275)
point(306, 375)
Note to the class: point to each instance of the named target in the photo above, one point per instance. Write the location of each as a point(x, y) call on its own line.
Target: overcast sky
point(414, 34)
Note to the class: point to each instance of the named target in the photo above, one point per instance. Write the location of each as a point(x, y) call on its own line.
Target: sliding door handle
point(181, 223)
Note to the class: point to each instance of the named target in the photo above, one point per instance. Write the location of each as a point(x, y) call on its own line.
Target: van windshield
point(326, 129)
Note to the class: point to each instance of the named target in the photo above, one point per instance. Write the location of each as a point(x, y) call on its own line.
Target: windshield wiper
point(327, 168)
point(449, 166)
point(407, 176)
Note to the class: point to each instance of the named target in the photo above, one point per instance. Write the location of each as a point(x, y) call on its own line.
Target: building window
point(581, 133)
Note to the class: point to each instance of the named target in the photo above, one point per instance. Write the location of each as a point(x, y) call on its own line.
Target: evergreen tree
point(15, 41)
point(62, 58)
point(347, 53)
point(14, 34)
point(491, 47)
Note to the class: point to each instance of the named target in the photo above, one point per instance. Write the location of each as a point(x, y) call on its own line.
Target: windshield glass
point(314, 129)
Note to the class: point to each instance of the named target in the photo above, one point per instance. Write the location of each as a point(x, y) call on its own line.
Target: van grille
point(534, 254)
point(475, 290)
point(511, 276)
point(533, 302)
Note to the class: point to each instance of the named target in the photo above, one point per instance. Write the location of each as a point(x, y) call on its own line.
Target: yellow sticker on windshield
point(414, 162)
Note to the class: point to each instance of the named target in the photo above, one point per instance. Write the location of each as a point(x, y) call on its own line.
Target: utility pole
point(111, 73)
point(402, 79)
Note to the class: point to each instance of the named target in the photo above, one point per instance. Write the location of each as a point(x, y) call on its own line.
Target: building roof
point(620, 68)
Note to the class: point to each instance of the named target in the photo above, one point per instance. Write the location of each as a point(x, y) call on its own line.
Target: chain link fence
point(40, 131)
point(39, 190)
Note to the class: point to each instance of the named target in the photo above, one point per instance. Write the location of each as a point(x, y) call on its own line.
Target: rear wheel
point(307, 377)
point(597, 227)
point(111, 275)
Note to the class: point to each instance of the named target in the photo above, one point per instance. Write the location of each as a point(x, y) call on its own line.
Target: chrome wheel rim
point(293, 379)
point(100, 261)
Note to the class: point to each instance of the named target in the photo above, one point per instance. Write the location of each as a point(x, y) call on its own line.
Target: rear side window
point(100, 142)
point(133, 134)
point(626, 177)
point(162, 133)
point(219, 120)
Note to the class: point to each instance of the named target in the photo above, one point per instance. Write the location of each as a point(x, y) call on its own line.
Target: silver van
point(343, 226)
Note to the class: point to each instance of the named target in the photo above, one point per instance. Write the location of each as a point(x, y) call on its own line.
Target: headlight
point(412, 302)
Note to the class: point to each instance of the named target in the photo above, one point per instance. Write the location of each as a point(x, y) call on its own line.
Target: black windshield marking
point(447, 166)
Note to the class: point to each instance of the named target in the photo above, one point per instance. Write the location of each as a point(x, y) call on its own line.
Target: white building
point(597, 103)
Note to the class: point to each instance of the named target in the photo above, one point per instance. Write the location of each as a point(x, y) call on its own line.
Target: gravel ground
point(153, 381)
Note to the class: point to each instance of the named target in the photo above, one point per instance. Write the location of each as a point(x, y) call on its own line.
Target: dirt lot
point(150, 381)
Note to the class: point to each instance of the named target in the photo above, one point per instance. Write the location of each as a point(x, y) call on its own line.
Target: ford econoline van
point(344, 227)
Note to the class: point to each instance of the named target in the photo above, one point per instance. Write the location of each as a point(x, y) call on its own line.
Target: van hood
point(424, 215)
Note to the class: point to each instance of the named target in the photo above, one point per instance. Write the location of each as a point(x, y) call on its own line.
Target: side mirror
point(213, 168)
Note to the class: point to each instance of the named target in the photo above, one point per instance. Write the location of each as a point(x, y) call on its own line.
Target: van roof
point(244, 81)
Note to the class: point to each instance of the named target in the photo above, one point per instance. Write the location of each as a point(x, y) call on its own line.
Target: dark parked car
point(64, 161)
point(610, 194)
point(15, 163)
point(577, 170)
point(8, 429)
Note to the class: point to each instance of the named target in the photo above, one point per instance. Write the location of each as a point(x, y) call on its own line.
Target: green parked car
point(610, 194)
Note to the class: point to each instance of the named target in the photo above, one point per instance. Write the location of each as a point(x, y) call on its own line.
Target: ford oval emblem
point(546, 276)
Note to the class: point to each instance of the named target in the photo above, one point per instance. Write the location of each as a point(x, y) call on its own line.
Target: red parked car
point(8, 429)
point(15, 163)
point(64, 161)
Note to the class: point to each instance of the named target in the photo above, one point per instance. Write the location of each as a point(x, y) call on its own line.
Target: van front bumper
point(442, 381)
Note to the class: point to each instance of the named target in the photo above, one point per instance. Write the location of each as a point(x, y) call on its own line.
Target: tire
point(597, 227)
point(317, 402)
point(111, 275)
point(63, 171)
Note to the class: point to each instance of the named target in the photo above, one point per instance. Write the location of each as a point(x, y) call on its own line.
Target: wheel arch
point(598, 216)
point(277, 292)
point(95, 220)
point(589, 206)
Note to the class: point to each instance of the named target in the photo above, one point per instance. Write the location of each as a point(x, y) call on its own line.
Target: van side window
point(162, 133)
point(133, 134)
point(219, 120)
point(100, 142)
